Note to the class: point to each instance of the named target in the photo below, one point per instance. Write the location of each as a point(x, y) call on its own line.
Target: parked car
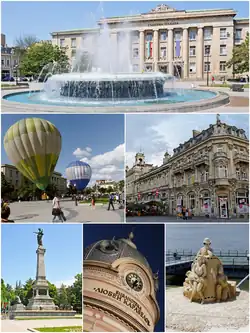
point(24, 79)
point(8, 78)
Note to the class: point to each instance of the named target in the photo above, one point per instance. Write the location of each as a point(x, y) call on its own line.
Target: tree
point(52, 291)
point(121, 185)
point(62, 297)
point(40, 54)
point(6, 187)
point(110, 189)
point(240, 58)
point(22, 43)
point(27, 291)
point(76, 291)
point(51, 190)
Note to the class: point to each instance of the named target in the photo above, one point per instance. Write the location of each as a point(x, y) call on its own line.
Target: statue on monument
point(39, 236)
point(206, 282)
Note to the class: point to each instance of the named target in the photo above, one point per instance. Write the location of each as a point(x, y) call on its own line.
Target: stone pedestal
point(41, 299)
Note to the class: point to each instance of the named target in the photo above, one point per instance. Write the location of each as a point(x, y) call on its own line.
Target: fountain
point(102, 76)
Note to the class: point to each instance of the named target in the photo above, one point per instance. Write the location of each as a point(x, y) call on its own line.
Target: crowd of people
point(184, 213)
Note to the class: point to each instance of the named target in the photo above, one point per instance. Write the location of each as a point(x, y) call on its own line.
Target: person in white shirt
point(56, 209)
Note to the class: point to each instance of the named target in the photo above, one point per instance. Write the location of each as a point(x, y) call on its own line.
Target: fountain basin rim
point(96, 76)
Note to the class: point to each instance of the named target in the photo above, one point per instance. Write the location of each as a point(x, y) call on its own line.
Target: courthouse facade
point(209, 174)
point(185, 43)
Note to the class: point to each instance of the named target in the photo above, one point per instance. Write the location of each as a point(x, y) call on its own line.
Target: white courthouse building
point(209, 173)
point(185, 43)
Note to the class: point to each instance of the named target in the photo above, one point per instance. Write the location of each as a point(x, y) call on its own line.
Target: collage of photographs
point(124, 166)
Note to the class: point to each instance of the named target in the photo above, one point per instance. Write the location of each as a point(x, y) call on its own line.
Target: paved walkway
point(23, 325)
point(196, 219)
point(40, 211)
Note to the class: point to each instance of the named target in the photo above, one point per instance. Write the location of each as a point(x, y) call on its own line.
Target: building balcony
point(199, 160)
point(220, 154)
point(221, 182)
point(241, 157)
point(178, 169)
point(189, 165)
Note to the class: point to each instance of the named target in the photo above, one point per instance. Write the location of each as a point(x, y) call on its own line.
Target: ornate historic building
point(185, 43)
point(119, 288)
point(209, 174)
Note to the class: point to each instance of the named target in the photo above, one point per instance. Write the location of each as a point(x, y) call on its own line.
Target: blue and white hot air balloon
point(78, 174)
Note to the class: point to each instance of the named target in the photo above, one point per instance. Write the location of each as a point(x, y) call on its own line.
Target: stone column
point(185, 53)
point(156, 50)
point(199, 54)
point(142, 50)
point(40, 268)
point(170, 51)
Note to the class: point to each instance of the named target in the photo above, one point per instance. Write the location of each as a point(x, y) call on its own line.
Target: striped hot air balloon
point(79, 174)
point(34, 146)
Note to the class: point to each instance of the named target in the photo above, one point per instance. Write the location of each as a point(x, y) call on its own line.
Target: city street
point(195, 219)
point(41, 211)
point(25, 325)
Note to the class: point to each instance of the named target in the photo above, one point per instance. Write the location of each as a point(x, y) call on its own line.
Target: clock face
point(134, 281)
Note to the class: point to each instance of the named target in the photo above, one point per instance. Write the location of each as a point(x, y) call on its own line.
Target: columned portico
point(200, 53)
point(156, 50)
point(170, 51)
point(185, 52)
point(142, 50)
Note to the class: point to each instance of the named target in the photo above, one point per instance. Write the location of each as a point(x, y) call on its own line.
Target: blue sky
point(149, 241)
point(104, 134)
point(63, 257)
point(41, 18)
point(159, 133)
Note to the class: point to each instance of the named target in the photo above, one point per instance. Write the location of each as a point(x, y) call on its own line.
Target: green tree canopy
point(6, 187)
point(40, 54)
point(240, 58)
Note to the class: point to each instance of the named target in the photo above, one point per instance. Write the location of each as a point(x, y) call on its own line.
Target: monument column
point(156, 50)
point(185, 52)
point(40, 266)
point(200, 55)
point(142, 50)
point(170, 51)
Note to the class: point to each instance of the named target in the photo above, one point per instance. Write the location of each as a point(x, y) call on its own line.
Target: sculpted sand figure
point(206, 250)
point(198, 277)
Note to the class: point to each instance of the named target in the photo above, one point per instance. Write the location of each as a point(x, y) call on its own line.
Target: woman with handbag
point(56, 210)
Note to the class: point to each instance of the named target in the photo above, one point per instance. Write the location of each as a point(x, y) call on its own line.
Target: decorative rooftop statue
point(39, 237)
point(206, 282)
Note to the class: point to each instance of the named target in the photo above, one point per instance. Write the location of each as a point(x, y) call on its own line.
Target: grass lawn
point(45, 318)
point(103, 200)
point(60, 329)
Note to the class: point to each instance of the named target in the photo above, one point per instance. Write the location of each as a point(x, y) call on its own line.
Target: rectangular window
point(207, 67)
point(2, 61)
point(223, 50)
point(238, 34)
point(222, 66)
point(223, 33)
point(177, 35)
point(15, 62)
point(149, 37)
point(73, 53)
point(192, 34)
point(192, 67)
point(192, 51)
point(163, 52)
point(62, 42)
point(135, 68)
point(8, 62)
point(207, 50)
point(207, 33)
point(135, 53)
point(73, 43)
point(163, 35)
point(135, 36)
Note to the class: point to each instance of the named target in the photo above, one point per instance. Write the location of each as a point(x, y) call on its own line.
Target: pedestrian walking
point(213, 80)
point(111, 200)
point(93, 202)
point(186, 214)
point(56, 210)
point(76, 201)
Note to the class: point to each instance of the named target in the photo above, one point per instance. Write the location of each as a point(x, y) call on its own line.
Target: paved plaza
point(196, 219)
point(41, 211)
point(24, 325)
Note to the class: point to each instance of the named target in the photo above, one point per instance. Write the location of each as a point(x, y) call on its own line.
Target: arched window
point(191, 200)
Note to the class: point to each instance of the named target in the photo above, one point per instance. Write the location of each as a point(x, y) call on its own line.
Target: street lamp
point(207, 49)
point(16, 67)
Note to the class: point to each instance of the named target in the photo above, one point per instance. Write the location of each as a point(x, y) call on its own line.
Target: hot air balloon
point(34, 146)
point(79, 174)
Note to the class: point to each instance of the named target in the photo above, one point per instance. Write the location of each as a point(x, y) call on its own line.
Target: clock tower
point(119, 288)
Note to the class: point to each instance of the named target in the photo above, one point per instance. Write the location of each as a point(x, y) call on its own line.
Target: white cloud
point(156, 134)
point(109, 165)
point(67, 282)
point(79, 153)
